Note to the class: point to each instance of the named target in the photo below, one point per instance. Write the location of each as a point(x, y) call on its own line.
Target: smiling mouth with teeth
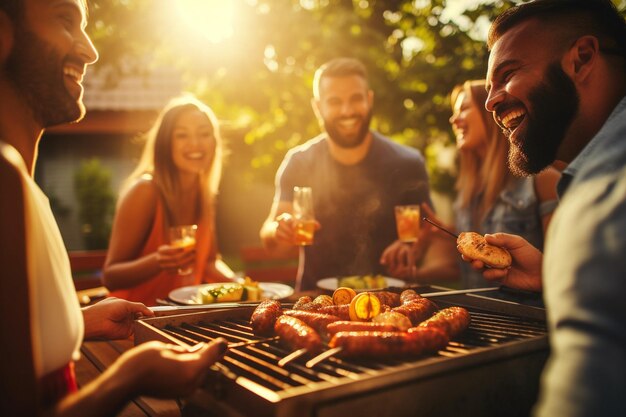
point(511, 120)
point(73, 73)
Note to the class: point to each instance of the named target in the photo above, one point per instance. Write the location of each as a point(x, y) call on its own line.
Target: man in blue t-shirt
point(357, 177)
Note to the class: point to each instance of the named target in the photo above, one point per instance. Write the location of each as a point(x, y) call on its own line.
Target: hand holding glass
point(184, 237)
point(304, 219)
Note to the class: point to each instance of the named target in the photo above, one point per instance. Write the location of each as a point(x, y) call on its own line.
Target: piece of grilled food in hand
point(474, 246)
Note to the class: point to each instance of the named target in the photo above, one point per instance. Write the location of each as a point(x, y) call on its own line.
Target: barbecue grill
point(490, 370)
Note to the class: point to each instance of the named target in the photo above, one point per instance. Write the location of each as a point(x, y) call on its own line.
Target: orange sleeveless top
point(161, 284)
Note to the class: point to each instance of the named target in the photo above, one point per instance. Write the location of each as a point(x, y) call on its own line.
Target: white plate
point(330, 284)
point(187, 295)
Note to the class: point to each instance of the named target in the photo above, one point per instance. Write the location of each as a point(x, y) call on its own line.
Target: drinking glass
point(184, 237)
point(304, 219)
point(408, 226)
point(408, 222)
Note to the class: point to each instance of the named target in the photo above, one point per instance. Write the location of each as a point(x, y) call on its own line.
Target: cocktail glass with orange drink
point(304, 218)
point(408, 222)
point(184, 237)
point(408, 226)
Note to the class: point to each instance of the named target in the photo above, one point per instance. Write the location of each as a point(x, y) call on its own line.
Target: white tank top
point(57, 321)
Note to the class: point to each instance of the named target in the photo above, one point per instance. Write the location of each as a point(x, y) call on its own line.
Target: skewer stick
point(292, 356)
point(251, 342)
point(323, 356)
point(426, 219)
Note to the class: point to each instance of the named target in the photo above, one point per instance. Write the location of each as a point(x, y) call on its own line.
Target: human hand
point(284, 231)
point(112, 318)
point(401, 258)
point(525, 270)
point(173, 258)
point(166, 371)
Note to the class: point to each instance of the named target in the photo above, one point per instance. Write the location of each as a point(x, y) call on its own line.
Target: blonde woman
point(175, 183)
point(489, 198)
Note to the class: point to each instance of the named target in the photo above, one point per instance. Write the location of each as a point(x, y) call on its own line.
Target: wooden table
point(96, 356)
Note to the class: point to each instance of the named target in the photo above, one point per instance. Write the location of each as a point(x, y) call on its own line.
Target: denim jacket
point(517, 211)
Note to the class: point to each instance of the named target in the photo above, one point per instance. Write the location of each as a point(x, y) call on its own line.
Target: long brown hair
point(477, 177)
point(156, 160)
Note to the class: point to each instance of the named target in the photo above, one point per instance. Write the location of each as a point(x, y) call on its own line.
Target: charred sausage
point(359, 326)
point(315, 319)
point(417, 309)
point(342, 311)
point(452, 320)
point(388, 298)
point(317, 303)
point(389, 344)
point(264, 317)
point(305, 299)
point(296, 334)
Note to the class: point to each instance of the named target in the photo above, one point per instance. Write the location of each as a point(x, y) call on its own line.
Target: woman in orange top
point(175, 183)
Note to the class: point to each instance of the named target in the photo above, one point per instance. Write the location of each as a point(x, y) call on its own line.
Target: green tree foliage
point(259, 80)
point(92, 184)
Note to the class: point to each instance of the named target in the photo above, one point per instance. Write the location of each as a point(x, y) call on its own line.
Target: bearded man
point(557, 87)
point(357, 176)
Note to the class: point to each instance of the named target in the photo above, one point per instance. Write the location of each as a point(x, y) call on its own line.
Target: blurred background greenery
point(253, 61)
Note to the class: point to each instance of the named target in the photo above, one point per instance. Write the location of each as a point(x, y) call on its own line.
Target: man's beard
point(351, 141)
point(36, 70)
point(554, 103)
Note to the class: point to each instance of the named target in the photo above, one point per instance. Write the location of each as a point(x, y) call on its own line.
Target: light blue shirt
point(584, 279)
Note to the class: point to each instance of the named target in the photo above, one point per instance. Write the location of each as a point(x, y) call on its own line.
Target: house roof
point(150, 91)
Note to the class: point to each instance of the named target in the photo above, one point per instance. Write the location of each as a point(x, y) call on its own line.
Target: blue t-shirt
point(584, 279)
point(353, 203)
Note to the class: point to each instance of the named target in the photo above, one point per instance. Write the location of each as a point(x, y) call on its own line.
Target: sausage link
point(296, 334)
point(388, 344)
point(417, 309)
point(452, 320)
point(318, 321)
point(359, 326)
point(302, 301)
point(388, 298)
point(342, 311)
point(264, 317)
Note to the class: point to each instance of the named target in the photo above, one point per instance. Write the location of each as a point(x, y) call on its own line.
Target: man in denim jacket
point(557, 87)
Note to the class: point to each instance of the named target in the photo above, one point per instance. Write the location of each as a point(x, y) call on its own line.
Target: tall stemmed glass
point(304, 218)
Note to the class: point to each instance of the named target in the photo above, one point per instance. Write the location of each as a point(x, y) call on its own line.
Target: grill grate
point(259, 362)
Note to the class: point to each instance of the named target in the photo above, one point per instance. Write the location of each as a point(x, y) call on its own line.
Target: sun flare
point(213, 19)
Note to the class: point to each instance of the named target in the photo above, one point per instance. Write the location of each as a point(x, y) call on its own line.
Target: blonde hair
point(478, 177)
point(156, 159)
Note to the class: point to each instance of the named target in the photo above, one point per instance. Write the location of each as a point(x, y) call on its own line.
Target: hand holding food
point(473, 245)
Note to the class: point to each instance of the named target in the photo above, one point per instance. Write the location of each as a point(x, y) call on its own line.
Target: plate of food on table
point(227, 292)
point(360, 283)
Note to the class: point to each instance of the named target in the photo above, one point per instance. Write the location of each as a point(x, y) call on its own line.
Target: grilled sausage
point(452, 320)
point(417, 309)
point(388, 298)
point(318, 321)
point(359, 326)
point(296, 334)
point(302, 301)
point(264, 317)
point(319, 302)
point(408, 295)
point(342, 311)
point(389, 344)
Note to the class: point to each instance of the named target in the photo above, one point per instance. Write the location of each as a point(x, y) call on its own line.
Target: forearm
point(104, 396)
point(129, 274)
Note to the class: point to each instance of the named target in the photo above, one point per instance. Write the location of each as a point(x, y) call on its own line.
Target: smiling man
point(44, 52)
point(557, 86)
point(357, 177)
